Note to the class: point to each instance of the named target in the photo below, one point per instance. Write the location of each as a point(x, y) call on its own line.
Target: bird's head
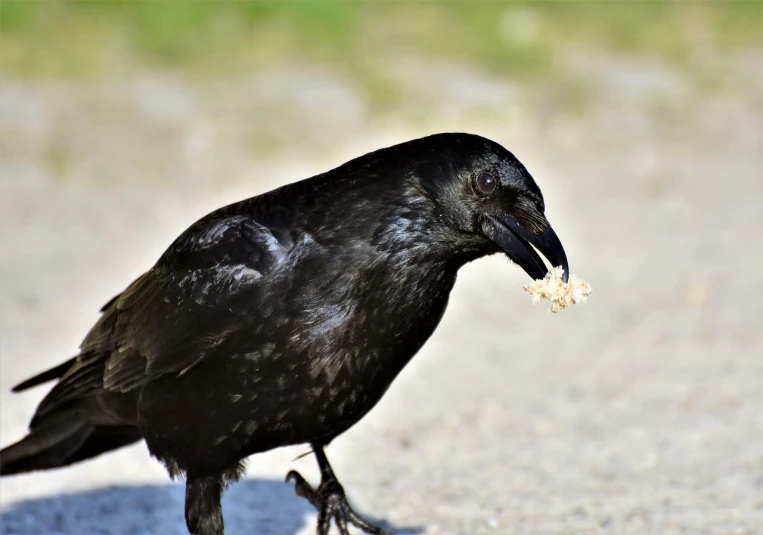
point(487, 200)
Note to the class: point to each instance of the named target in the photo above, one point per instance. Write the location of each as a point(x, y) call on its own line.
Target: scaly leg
point(203, 512)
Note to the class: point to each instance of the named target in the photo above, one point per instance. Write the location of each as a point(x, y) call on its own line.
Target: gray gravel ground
point(638, 413)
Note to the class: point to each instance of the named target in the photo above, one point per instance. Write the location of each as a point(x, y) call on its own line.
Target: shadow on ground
point(261, 506)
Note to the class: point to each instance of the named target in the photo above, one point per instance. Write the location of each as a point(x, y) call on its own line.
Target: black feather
point(284, 318)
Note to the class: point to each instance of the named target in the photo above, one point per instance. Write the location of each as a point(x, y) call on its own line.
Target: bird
point(282, 319)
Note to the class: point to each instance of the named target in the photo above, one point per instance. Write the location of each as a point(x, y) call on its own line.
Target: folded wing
point(177, 313)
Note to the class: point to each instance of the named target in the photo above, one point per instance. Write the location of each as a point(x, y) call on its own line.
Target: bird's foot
point(330, 501)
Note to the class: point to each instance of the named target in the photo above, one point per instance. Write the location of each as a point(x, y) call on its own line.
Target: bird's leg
point(330, 501)
point(203, 511)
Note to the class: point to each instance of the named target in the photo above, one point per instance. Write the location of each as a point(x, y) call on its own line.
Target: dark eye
point(485, 184)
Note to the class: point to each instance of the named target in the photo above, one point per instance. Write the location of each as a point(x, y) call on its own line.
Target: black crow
point(282, 319)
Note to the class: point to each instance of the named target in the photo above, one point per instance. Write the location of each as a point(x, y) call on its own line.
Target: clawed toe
point(302, 488)
point(339, 509)
point(361, 523)
point(330, 501)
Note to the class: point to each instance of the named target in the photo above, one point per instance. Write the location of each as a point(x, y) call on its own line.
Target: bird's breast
point(360, 343)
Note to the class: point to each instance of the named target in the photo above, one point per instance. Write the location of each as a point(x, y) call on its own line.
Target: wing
point(177, 313)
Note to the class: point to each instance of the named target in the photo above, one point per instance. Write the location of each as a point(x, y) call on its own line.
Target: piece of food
point(561, 294)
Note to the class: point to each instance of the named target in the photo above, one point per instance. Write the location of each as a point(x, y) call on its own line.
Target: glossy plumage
point(282, 319)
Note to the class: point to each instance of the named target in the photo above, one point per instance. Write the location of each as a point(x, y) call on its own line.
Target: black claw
point(302, 488)
point(299, 482)
point(330, 501)
point(363, 525)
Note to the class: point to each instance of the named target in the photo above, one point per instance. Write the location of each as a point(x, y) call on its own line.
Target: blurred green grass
point(67, 38)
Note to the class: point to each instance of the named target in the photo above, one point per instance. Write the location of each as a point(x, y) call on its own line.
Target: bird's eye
point(485, 184)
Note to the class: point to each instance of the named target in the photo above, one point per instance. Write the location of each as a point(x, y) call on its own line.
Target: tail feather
point(62, 442)
point(70, 424)
point(47, 375)
point(45, 447)
point(105, 438)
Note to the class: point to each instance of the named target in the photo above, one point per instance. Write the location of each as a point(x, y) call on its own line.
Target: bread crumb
point(561, 294)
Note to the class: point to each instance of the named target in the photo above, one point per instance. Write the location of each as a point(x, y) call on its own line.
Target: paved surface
point(638, 413)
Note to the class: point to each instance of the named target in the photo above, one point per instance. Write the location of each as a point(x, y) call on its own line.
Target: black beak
point(517, 242)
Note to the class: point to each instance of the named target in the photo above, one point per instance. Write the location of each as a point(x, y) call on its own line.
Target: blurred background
point(641, 412)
